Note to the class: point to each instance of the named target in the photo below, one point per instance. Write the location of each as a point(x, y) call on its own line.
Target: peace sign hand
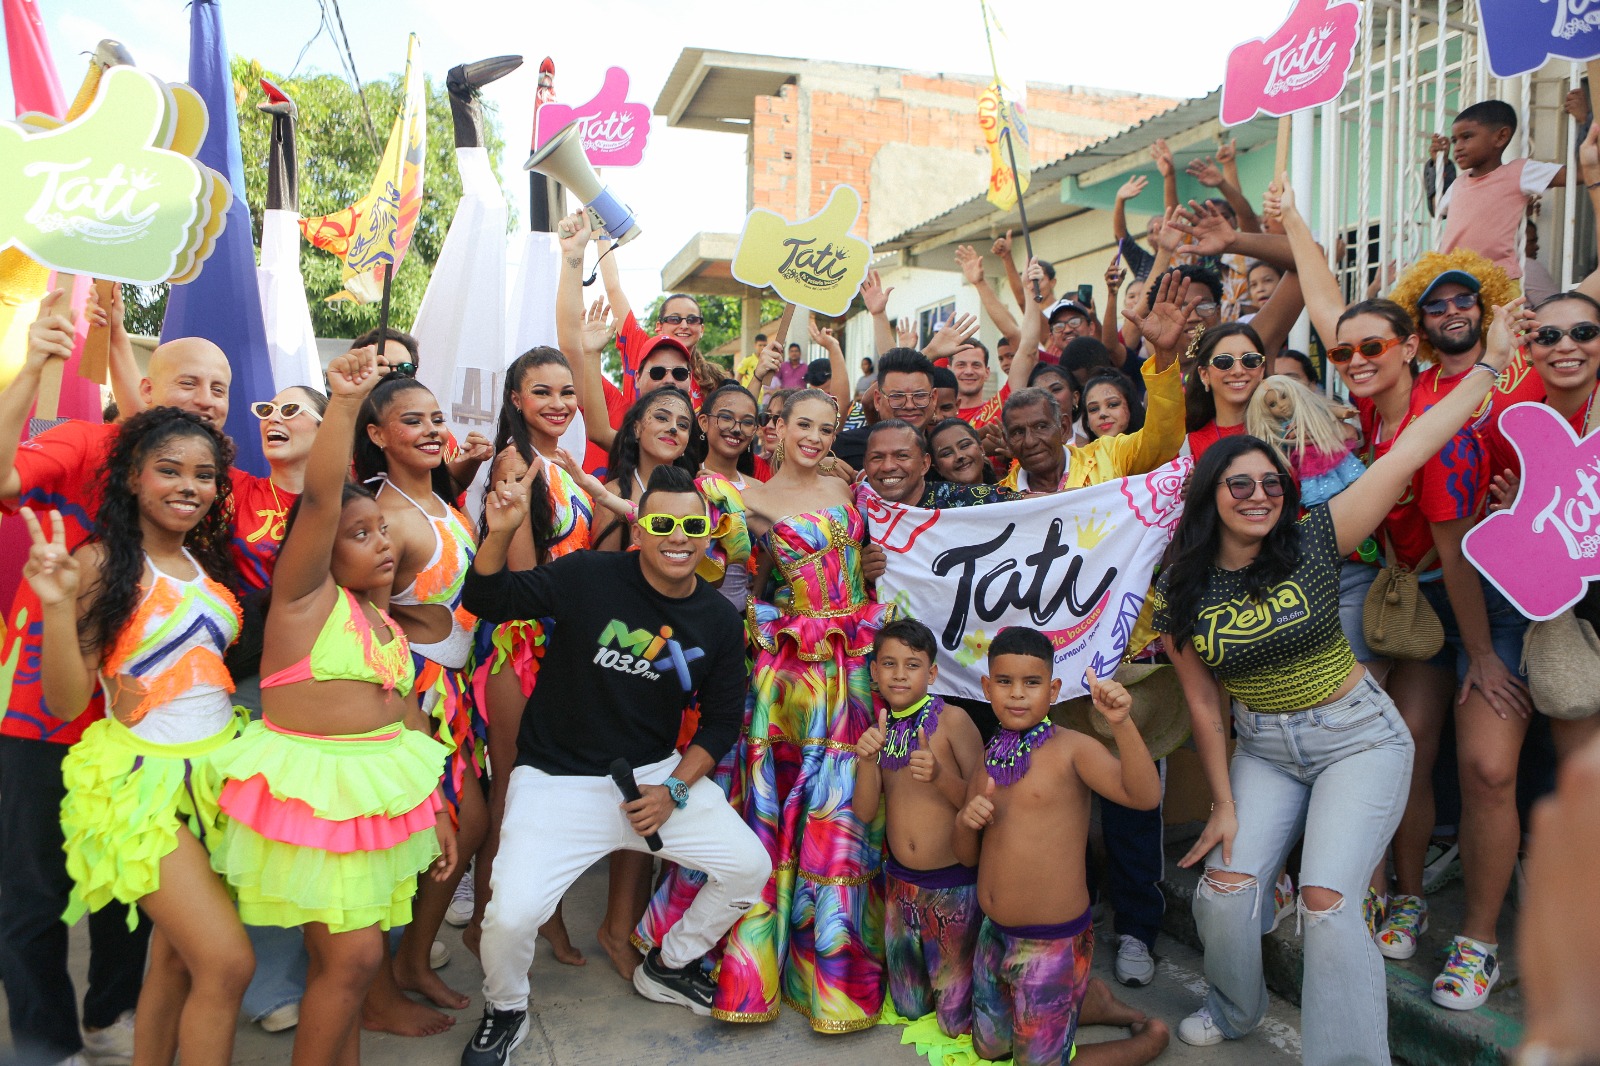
point(506, 505)
point(50, 570)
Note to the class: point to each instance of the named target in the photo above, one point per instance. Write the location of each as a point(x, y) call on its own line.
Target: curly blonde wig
point(1495, 288)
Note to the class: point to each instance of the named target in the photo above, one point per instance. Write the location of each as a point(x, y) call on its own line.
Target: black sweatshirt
point(620, 664)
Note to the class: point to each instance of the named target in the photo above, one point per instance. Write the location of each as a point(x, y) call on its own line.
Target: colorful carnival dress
point(131, 786)
point(815, 937)
point(332, 829)
point(520, 644)
point(444, 681)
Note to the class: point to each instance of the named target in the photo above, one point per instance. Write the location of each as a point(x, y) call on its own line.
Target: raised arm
point(1589, 167)
point(65, 584)
point(611, 278)
point(123, 370)
point(838, 385)
point(1026, 357)
point(1223, 175)
point(1130, 777)
point(576, 331)
point(1169, 172)
point(971, 264)
point(1119, 210)
point(1318, 287)
point(1109, 336)
point(1002, 251)
point(1357, 513)
point(302, 567)
point(876, 298)
point(50, 337)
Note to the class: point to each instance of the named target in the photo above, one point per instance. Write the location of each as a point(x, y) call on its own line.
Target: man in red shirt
point(58, 470)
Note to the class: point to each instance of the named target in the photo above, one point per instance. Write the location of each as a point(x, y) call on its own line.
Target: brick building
point(909, 142)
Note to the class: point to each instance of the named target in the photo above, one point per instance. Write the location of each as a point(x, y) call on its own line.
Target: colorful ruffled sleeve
point(730, 536)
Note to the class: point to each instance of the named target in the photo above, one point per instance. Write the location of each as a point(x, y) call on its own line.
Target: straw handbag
point(1396, 621)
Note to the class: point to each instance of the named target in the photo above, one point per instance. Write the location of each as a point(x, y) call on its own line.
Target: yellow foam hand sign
point(106, 193)
point(812, 263)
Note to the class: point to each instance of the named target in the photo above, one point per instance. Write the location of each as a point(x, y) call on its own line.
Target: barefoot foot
point(1100, 1007)
point(555, 931)
point(428, 984)
point(394, 1013)
point(624, 956)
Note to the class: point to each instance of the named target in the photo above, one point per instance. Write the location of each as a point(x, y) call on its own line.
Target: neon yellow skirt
point(328, 829)
point(126, 798)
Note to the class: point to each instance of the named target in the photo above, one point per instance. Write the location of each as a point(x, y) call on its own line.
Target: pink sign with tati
point(613, 129)
point(1303, 64)
point(1544, 549)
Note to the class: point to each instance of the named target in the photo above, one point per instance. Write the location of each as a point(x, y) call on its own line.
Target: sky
point(690, 180)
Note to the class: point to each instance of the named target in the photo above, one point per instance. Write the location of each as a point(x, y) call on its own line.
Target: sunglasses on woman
point(1550, 336)
point(1370, 348)
point(1251, 361)
point(264, 410)
point(678, 320)
point(659, 373)
point(662, 525)
point(1461, 301)
point(1242, 486)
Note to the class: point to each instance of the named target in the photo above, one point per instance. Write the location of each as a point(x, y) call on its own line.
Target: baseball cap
point(1457, 277)
point(1067, 304)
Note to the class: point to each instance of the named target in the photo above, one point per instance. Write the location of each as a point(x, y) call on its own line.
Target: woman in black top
point(1249, 594)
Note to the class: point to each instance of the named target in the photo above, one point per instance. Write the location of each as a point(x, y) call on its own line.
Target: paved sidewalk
point(587, 1014)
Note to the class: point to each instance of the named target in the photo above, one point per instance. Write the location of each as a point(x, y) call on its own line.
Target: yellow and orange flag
point(372, 234)
point(1001, 114)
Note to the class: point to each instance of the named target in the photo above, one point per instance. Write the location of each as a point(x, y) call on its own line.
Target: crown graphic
point(1091, 529)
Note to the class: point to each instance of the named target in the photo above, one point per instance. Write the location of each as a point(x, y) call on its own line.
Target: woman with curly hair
point(1249, 596)
point(145, 610)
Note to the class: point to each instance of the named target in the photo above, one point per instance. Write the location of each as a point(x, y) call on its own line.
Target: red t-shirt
point(260, 509)
point(1502, 456)
point(59, 470)
point(632, 341)
point(1449, 486)
point(1209, 434)
point(595, 457)
point(987, 411)
point(763, 469)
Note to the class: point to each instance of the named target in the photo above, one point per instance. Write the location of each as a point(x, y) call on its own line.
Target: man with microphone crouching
point(637, 637)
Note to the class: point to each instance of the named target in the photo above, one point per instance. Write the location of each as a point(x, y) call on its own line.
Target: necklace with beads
point(1010, 753)
point(900, 738)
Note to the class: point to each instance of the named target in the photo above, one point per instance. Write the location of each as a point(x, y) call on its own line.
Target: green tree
point(336, 168)
point(723, 315)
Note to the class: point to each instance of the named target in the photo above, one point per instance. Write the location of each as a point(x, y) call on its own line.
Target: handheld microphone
point(622, 774)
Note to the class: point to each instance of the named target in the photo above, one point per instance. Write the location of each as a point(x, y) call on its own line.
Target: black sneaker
point(497, 1037)
point(689, 987)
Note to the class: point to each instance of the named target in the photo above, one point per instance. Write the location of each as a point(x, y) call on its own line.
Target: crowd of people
point(258, 719)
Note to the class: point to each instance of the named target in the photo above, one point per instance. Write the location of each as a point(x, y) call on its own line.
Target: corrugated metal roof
point(1138, 138)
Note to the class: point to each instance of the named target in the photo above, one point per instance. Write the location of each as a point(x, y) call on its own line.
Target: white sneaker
point(462, 903)
point(111, 1046)
point(1198, 1030)
point(74, 1060)
point(438, 956)
point(285, 1017)
point(1134, 966)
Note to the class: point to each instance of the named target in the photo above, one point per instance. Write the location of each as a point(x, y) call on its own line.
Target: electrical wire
point(350, 62)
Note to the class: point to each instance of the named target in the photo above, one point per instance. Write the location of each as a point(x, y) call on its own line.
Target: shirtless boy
point(1025, 825)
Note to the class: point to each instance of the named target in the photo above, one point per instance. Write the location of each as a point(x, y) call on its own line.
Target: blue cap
point(1459, 277)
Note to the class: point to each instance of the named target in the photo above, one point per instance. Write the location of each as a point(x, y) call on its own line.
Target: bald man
point(57, 470)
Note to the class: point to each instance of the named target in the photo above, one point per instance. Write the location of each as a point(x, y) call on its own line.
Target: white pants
point(555, 828)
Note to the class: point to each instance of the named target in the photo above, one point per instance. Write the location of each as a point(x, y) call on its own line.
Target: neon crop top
point(348, 649)
point(171, 650)
point(441, 581)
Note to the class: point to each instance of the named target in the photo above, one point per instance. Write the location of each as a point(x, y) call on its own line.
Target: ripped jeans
point(1340, 774)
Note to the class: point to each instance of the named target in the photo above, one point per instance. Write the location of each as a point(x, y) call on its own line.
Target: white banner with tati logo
point(1076, 565)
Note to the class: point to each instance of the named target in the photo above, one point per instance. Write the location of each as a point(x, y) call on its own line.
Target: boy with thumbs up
point(1024, 826)
point(919, 757)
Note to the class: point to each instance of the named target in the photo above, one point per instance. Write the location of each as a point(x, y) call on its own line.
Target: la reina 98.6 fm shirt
point(622, 664)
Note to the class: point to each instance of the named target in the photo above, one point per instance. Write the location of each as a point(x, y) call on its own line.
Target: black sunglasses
point(1550, 336)
point(1461, 300)
point(659, 373)
point(764, 417)
point(678, 320)
point(405, 370)
point(1251, 360)
point(1242, 486)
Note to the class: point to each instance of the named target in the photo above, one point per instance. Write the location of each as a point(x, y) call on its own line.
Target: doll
point(1309, 435)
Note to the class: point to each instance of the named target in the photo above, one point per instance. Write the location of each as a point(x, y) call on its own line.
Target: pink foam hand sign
point(612, 128)
point(1544, 549)
point(1302, 65)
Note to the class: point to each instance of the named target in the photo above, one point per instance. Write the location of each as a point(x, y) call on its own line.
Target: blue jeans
point(1340, 774)
point(280, 977)
point(1506, 629)
point(1355, 581)
point(1135, 862)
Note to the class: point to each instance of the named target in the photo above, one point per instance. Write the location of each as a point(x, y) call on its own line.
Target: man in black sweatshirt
point(637, 638)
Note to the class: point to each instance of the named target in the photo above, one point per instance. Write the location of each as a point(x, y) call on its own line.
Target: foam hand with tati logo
point(812, 263)
point(104, 194)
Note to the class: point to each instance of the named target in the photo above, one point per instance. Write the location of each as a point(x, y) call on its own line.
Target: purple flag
point(223, 304)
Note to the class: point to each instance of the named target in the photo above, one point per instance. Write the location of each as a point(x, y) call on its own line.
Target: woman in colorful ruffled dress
point(399, 454)
point(815, 938)
point(539, 403)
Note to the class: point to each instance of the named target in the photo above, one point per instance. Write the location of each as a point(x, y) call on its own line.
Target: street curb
point(1420, 1033)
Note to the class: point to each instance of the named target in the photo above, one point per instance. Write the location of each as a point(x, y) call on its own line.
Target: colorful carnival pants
point(931, 931)
point(1028, 984)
